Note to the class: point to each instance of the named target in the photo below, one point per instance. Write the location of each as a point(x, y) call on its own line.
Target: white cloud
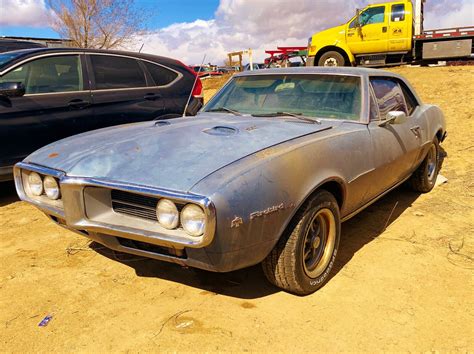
point(448, 13)
point(28, 13)
point(265, 24)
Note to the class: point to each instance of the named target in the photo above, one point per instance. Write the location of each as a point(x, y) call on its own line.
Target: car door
point(395, 147)
point(56, 100)
point(371, 36)
point(120, 92)
point(399, 33)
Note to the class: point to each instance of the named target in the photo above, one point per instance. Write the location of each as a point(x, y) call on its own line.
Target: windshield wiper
point(289, 114)
point(225, 109)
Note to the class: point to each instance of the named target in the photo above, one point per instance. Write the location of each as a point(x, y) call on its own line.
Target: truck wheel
point(331, 59)
point(304, 256)
point(424, 177)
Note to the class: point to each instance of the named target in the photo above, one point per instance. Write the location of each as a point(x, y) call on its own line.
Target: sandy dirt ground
point(408, 287)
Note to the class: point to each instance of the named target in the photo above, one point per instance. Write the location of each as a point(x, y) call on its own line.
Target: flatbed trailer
point(389, 33)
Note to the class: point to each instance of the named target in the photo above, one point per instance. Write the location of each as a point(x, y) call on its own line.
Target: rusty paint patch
point(236, 222)
point(53, 155)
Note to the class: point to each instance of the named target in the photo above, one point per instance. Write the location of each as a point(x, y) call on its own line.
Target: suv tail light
point(197, 88)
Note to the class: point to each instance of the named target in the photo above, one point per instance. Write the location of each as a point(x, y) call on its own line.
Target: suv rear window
point(160, 75)
point(113, 72)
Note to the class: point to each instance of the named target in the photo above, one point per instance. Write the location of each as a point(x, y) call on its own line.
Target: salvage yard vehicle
point(48, 94)
point(266, 172)
point(389, 33)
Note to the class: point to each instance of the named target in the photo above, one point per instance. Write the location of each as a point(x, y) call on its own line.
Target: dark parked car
point(48, 94)
point(7, 45)
point(266, 172)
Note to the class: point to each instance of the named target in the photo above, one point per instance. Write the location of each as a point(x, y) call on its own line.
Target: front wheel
point(331, 58)
point(301, 261)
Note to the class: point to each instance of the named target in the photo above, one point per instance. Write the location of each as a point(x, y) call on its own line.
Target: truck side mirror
point(12, 89)
point(357, 19)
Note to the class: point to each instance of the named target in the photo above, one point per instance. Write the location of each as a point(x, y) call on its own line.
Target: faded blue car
point(266, 172)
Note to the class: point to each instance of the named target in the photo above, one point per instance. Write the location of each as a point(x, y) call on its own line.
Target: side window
point(409, 99)
point(113, 72)
point(160, 75)
point(374, 109)
point(47, 75)
point(398, 13)
point(389, 96)
point(373, 15)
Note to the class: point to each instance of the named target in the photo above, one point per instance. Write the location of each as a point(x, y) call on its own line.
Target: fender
point(340, 45)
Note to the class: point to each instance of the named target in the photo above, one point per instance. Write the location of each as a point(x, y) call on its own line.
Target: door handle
point(78, 104)
point(384, 29)
point(152, 96)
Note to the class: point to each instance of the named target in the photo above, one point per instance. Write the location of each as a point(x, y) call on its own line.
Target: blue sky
point(166, 12)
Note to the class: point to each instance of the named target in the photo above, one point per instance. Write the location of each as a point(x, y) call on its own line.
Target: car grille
point(137, 205)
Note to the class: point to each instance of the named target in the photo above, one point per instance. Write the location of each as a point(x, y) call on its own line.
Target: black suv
point(48, 94)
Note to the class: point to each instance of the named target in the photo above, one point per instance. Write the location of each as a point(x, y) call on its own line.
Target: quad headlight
point(193, 220)
point(35, 184)
point(167, 214)
point(192, 217)
point(51, 188)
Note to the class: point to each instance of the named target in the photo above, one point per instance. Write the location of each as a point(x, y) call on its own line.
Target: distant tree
point(100, 24)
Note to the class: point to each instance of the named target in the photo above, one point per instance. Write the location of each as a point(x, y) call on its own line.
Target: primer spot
point(53, 155)
point(247, 305)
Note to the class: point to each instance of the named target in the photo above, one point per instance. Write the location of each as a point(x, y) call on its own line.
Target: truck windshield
point(312, 95)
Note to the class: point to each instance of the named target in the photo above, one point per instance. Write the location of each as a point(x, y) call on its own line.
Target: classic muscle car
point(266, 172)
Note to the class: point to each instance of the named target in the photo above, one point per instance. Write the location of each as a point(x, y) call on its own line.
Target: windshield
point(313, 95)
point(6, 57)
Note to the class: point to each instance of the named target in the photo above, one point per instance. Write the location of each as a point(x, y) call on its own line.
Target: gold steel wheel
point(319, 242)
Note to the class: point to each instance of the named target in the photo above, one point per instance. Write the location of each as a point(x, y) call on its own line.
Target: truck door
point(370, 33)
point(399, 32)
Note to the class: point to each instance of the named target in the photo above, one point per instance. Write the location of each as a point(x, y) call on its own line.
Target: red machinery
point(282, 55)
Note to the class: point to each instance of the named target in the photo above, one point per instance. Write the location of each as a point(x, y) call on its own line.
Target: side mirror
point(394, 117)
point(357, 19)
point(12, 89)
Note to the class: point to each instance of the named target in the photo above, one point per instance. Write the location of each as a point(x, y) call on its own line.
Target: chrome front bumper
point(86, 208)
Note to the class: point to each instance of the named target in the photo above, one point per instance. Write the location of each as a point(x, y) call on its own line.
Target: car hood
point(173, 154)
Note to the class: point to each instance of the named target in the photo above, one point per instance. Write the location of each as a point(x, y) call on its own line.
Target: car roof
point(321, 70)
point(25, 53)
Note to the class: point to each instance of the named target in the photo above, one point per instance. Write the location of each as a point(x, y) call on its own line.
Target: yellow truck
point(388, 33)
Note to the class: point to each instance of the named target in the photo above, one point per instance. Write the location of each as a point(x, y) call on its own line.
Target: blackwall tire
point(303, 258)
point(424, 178)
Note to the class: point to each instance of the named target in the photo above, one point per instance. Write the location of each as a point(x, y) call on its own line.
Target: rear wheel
point(424, 178)
point(301, 261)
point(331, 58)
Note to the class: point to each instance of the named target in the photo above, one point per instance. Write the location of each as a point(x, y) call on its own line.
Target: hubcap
point(319, 243)
point(432, 163)
point(330, 62)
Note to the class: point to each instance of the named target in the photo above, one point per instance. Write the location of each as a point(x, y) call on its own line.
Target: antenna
point(192, 88)
point(141, 47)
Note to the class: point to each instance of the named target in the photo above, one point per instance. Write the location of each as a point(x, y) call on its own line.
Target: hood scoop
point(161, 123)
point(221, 130)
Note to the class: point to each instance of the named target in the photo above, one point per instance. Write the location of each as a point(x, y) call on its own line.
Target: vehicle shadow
point(250, 283)
point(8, 193)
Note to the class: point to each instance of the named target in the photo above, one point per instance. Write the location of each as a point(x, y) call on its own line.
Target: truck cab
point(379, 28)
